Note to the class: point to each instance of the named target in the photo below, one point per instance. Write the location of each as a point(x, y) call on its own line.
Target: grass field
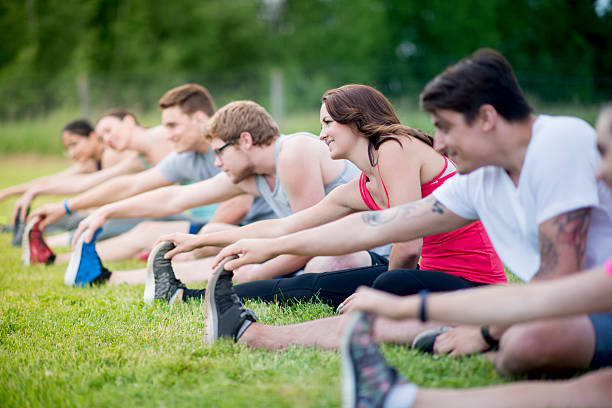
point(104, 347)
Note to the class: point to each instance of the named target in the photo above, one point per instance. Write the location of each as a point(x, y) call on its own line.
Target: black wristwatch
point(493, 344)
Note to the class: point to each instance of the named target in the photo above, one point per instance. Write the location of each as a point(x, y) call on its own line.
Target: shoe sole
point(348, 368)
point(211, 328)
point(75, 261)
point(25, 241)
point(149, 293)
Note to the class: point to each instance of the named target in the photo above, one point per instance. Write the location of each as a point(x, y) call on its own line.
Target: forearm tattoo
point(571, 231)
point(375, 218)
point(437, 207)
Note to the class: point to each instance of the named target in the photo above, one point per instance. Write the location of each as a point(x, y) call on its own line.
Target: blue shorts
point(602, 323)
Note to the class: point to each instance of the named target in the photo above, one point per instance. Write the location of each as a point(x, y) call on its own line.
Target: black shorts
point(602, 323)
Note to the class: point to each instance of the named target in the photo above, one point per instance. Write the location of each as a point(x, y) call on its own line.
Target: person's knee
point(143, 227)
point(522, 348)
point(337, 263)
point(398, 282)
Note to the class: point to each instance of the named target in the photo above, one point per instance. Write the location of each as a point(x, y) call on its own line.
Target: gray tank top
point(277, 199)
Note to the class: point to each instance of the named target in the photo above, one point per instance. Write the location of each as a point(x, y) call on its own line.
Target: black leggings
point(334, 287)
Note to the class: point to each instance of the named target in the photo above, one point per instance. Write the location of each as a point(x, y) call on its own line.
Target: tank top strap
point(365, 194)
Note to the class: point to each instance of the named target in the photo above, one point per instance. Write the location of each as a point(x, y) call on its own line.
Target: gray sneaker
point(366, 376)
point(161, 282)
point(425, 341)
point(225, 315)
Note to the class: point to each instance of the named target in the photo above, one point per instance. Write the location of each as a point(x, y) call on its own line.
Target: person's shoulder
point(562, 128)
point(299, 145)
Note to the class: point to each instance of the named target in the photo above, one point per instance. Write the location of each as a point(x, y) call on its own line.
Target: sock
point(401, 395)
point(103, 278)
point(245, 325)
point(193, 294)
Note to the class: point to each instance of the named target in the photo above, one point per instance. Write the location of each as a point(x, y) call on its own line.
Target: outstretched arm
point(77, 168)
point(162, 202)
point(587, 292)
point(332, 207)
point(353, 233)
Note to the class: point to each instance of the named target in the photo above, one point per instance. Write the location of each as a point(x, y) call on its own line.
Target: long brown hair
point(368, 112)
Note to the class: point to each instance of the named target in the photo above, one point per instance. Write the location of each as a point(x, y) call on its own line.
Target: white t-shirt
point(558, 176)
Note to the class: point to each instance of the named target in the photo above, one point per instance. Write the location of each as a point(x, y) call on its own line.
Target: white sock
point(401, 396)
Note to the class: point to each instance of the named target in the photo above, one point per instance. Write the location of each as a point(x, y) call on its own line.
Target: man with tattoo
point(531, 181)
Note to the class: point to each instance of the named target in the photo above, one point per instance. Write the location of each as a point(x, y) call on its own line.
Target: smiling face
point(184, 130)
point(115, 133)
point(461, 142)
point(339, 138)
point(80, 148)
point(604, 144)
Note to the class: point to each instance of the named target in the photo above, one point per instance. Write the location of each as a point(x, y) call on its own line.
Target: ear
point(246, 140)
point(488, 117)
point(200, 116)
point(93, 135)
point(129, 120)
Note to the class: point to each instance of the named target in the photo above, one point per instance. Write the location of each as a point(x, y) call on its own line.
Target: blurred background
point(77, 58)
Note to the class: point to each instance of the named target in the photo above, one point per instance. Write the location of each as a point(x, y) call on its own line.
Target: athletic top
point(466, 252)
point(191, 167)
point(278, 199)
point(558, 175)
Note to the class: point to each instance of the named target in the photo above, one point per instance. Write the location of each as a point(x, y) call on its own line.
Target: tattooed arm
point(352, 233)
point(562, 241)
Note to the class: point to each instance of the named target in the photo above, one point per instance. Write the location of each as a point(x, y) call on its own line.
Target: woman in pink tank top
point(399, 166)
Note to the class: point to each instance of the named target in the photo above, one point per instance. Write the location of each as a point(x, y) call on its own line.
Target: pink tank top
point(466, 252)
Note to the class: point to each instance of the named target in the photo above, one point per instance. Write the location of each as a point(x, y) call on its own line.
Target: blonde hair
point(242, 116)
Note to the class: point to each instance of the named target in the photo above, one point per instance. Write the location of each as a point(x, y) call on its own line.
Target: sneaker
point(225, 315)
point(366, 376)
point(85, 265)
point(425, 341)
point(18, 228)
point(33, 247)
point(161, 282)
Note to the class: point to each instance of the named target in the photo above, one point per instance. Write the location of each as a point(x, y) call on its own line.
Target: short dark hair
point(119, 114)
point(80, 127)
point(485, 77)
point(190, 98)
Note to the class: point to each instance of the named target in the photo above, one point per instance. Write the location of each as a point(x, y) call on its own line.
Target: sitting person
point(84, 147)
point(538, 223)
point(398, 165)
point(256, 160)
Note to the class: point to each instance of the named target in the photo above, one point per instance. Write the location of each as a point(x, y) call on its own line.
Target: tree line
point(128, 52)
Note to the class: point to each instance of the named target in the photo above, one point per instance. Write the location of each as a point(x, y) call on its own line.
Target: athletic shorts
point(602, 323)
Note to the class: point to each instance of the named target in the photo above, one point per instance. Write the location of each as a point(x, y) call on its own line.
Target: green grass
point(100, 347)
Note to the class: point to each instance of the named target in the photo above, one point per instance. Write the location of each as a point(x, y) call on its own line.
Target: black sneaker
point(366, 376)
point(18, 228)
point(425, 341)
point(225, 315)
point(161, 282)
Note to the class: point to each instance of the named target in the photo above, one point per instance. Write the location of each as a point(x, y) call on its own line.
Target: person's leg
point(330, 287)
point(404, 282)
point(368, 380)
point(321, 264)
point(547, 346)
point(195, 271)
point(591, 390)
point(140, 238)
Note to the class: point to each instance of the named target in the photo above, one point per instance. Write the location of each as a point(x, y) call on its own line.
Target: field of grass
point(100, 347)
